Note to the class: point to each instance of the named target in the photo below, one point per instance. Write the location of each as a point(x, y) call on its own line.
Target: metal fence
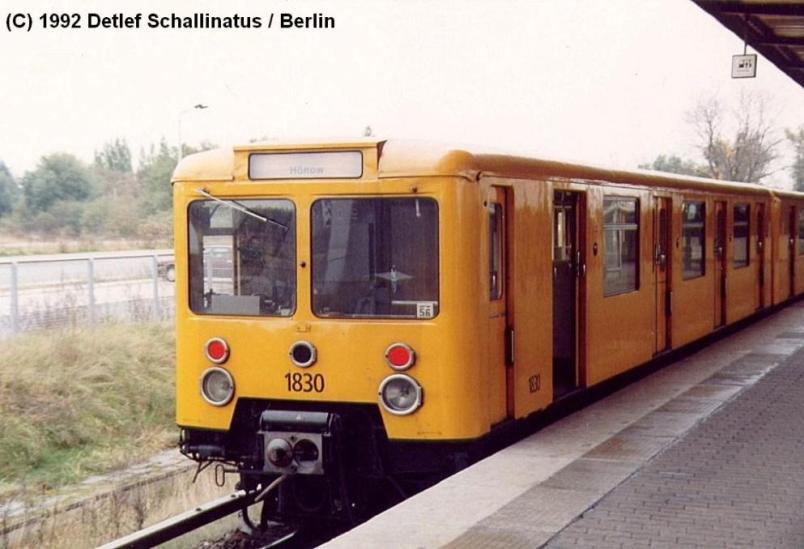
point(82, 289)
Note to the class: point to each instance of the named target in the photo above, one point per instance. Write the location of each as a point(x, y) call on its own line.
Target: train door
point(791, 247)
point(501, 352)
point(720, 263)
point(761, 254)
point(568, 269)
point(661, 267)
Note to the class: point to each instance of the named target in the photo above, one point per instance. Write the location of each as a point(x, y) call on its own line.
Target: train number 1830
point(304, 383)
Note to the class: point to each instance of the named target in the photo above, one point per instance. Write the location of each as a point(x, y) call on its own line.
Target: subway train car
point(385, 307)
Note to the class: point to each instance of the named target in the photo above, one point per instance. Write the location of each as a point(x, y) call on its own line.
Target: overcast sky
point(600, 81)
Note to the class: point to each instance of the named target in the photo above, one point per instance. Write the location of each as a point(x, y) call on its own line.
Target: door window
point(693, 231)
point(801, 232)
point(496, 246)
point(742, 233)
point(620, 245)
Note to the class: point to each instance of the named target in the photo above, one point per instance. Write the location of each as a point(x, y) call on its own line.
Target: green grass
point(82, 402)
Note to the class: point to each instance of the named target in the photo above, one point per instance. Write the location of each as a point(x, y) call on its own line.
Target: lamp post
point(199, 107)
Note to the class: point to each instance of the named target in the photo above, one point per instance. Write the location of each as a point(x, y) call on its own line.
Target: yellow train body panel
point(450, 350)
point(481, 362)
point(309, 276)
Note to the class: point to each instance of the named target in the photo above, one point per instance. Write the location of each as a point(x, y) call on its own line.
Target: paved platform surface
point(736, 480)
point(708, 452)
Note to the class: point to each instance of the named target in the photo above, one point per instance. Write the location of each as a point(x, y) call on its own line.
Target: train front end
point(323, 327)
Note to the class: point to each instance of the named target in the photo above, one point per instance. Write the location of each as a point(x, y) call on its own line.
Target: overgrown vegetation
point(83, 402)
point(63, 197)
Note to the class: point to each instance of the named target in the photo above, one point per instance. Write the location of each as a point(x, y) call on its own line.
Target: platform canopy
point(773, 28)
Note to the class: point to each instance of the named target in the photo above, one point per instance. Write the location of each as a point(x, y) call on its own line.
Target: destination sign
point(306, 165)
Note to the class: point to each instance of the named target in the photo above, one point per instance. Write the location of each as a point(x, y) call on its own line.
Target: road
point(53, 290)
point(35, 270)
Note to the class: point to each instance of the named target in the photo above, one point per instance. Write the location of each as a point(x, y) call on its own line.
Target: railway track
point(274, 537)
point(185, 522)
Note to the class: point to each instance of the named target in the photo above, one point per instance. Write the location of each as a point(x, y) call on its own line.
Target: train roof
point(402, 158)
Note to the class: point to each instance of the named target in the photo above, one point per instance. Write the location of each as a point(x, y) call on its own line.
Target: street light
point(199, 107)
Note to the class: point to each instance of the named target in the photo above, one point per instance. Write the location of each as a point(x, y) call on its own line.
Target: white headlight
point(217, 386)
point(400, 394)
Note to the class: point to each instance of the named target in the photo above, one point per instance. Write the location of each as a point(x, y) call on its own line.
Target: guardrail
point(72, 289)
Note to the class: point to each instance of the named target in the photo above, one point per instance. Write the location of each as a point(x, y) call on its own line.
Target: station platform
point(706, 452)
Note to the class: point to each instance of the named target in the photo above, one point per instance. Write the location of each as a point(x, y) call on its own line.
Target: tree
point(57, 177)
point(748, 155)
point(675, 164)
point(156, 168)
point(8, 190)
point(797, 140)
point(114, 156)
point(67, 215)
point(111, 217)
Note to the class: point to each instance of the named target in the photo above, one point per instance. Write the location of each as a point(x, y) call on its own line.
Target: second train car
point(359, 315)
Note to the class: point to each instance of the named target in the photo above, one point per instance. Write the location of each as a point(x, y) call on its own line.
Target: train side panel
point(797, 230)
point(785, 222)
point(693, 303)
point(531, 306)
point(780, 250)
point(764, 252)
point(742, 279)
point(620, 327)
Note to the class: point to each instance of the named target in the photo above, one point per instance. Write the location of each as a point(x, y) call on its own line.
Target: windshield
point(375, 257)
point(242, 257)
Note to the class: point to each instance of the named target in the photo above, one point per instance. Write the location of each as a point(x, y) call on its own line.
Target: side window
point(620, 245)
point(742, 232)
point(496, 247)
point(693, 233)
point(800, 231)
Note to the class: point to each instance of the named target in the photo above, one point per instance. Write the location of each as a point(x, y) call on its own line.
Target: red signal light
point(217, 350)
point(399, 356)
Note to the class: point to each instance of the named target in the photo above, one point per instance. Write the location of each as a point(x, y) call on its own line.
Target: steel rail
point(184, 522)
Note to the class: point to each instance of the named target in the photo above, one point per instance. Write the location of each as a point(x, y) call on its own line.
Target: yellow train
point(363, 314)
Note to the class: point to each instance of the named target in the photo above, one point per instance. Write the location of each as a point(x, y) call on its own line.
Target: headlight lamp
point(217, 386)
point(400, 394)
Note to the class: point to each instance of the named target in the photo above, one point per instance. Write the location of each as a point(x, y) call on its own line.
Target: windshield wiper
point(240, 208)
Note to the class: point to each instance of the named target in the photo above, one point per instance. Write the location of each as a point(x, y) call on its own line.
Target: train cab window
point(693, 234)
point(800, 232)
point(742, 232)
point(242, 257)
point(375, 258)
point(620, 245)
point(495, 251)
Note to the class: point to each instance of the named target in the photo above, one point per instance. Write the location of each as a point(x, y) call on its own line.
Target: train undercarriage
point(332, 462)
